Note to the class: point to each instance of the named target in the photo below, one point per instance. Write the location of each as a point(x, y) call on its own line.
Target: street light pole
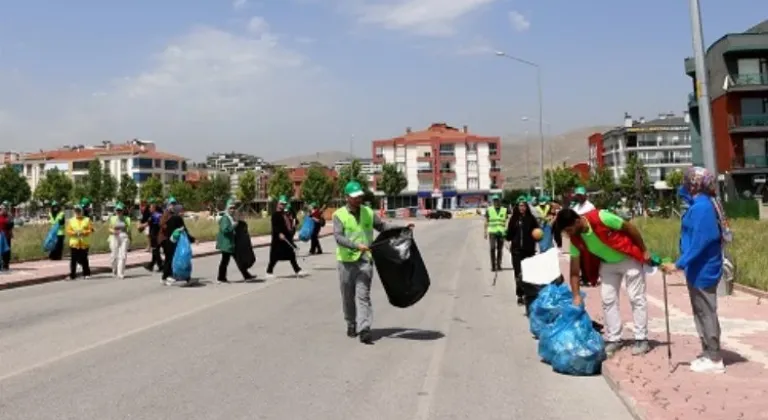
point(551, 154)
point(702, 91)
point(541, 111)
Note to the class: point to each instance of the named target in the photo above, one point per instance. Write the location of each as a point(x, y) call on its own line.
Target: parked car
point(440, 214)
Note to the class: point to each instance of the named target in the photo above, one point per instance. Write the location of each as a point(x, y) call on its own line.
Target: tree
point(215, 191)
point(392, 181)
point(185, 193)
point(108, 187)
point(79, 189)
point(280, 184)
point(128, 190)
point(93, 185)
point(152, 188)
point(674, 179)
point(55, 186)
point(317, 187)
point(562, 178)
point(634, 183)
point(601, 179)
point(352, 172)
point(246, 192)
point(13, 186)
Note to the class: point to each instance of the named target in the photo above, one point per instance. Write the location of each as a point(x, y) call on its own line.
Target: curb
point(100, 270)
point(627, 400)
point(760, 294)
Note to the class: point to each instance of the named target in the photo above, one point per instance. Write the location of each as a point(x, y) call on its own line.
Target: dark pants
point(224, 264)
point(169, 248)
point(497, 247)
point(58, 250)
point(518, 255)
point(272, 263)
point(704, 305)
point(78, 257)
point(315, 247)
point(6, 257)
point(157, 259)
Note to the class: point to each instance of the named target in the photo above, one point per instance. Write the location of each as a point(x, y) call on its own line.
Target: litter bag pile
point(182, 258)
point(572, 345)
point(400, 267)
point(545, 310)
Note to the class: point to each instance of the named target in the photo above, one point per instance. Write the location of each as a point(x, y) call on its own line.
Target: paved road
point(132, 349)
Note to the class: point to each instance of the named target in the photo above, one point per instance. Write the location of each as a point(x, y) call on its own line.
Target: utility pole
point(702, 91)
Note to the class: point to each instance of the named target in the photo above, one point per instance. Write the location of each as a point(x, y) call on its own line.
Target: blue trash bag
point(3, 247)
point(572, 346)
point(307, 226)
point(51, 238)
point(182, 259)
point(546, 308)
point(547, 239)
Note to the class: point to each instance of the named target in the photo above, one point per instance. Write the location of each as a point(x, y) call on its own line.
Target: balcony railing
point(424, 170)
point(495, 170)
point(748, 121)
point(750, 79)
point(750, 161)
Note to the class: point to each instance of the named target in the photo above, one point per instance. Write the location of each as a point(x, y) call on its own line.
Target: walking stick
point(666, 319)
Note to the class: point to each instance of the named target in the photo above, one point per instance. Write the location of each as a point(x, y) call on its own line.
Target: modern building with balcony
point(737, 66)
point(234, 162)
point(662, 145)
point(367, 167)
point(446, 167)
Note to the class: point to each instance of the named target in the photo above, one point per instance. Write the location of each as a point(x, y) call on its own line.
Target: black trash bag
point(244, 255)
point(400, 267)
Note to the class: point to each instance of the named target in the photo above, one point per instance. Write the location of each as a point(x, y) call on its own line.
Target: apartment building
point(234, 162)
point(367, 167)
point(737, 66)
point(139, 159)
point(446, 167)
point(662, 145)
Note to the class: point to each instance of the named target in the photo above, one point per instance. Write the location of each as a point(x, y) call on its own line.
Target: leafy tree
point(151, 188)
point(109, 187)
point(280, 184)
point(80, 189)
point(562, 178)
point(246, 191)
point(93, 185)
point(601, 179)
point(317, 187)
point(392, 181)
point(55, 186)
point(634, 183)
point(185, 193)
point(128, 190)
point(674, 179)
point(13, 186)
point(353, 171)
point(215, 191)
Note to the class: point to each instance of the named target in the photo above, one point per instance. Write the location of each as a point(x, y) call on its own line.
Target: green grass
point(750, 236)
point(28, 240)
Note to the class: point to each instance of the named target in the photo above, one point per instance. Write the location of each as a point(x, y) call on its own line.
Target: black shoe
point(222, 280)
point(149, 268)
point(366, 337)
point(520, 301)
point(351, 331)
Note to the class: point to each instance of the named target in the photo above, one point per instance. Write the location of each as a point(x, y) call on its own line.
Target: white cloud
point(207, 90)
point(519, 21)
point(258, 25)
point(239, 4)
point(426, 17)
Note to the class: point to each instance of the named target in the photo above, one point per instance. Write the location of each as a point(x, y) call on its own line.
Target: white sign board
point(542, 268)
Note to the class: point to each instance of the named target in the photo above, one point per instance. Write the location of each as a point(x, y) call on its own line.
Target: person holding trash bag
point(702, 231)
point(119, 240)
point(493, 230)
point(57, 218)
point(79, 229)
point(170, 224)
point(620, 248)
point(317, 216)
point(225, 243)
point(521, 242)
point(545, 222)
point(282, 247)
point(353, 227)
point(151, 225)
point(6, 229)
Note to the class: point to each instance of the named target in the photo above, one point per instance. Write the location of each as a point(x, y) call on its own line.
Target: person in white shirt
point(582, 205)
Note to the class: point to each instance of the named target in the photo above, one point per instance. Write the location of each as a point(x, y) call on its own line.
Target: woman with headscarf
point(6, 230)
point(282, 247)
point(57, 217)
point(521, 242)
point(170, 223)
point(226, 244)
point(316, 213)
point(79, 230)
point(703, 234)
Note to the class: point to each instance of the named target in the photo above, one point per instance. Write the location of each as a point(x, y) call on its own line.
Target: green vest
point(544, 210)
point(126, 220)
point(497, 220)
point(56, 220)
point(357, 232)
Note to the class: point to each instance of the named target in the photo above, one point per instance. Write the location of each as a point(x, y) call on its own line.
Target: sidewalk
point(652, 392)
point(44, 271)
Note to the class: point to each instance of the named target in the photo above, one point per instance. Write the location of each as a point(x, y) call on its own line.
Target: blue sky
point(282, 77)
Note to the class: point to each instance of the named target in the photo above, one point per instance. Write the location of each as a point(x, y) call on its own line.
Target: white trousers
point(118, 247)
point(631, 273)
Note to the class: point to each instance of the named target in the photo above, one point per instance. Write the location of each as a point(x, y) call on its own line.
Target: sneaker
point(270, 276)
point(351, 331)
point(707, 365)
point(366, 337)
point(520, 301)
point(222, 280)
point(301, 273)
point(612, 347)
point(193, 282)
point(641, 347)
point(168, 282)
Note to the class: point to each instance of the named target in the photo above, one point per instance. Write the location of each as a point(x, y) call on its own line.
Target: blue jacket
point(701, 249)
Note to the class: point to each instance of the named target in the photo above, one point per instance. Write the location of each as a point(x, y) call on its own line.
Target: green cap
point(119, 206)
point(313, 205)
point(495, 197)
point(231, 203)
point(354, 189)
point(282, 200)
point(151, 200)
point(77, 207)
point(172, 200)
point(85, 201)
point(522, 199)
point(545, 199)
point(54, 203)
point(580, 191)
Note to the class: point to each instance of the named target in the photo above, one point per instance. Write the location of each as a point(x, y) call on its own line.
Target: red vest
point(618, 240)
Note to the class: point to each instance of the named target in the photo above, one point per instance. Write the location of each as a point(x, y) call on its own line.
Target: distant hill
point(325, 158)
point(570, 147)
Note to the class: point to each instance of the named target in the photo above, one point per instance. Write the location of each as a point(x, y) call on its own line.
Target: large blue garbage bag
point(3, 247)
point(307, 226)
point(51, 237)
point(546, 308)
point(572, 346)
point(182, 259)
point(547, 238)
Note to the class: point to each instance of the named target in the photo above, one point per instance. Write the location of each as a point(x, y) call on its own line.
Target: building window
point(471, 147)
point(472, 167)
point(171, 165)
point(123, 165)
point(379, 152)
point(473, 184)
point(447, 150)
point(142, 163)
point(493, 149)
point(141, 177)
point(400, 166)
point(81, 165)
point(158, 163)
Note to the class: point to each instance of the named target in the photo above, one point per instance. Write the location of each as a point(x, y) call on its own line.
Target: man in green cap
point(353, 227)
point(119, 240)
point(494, 230)
point(282, 247)
point(581, 204)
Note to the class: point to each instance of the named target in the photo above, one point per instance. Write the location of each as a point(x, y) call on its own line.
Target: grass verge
point(28, 240)
point(662, 236)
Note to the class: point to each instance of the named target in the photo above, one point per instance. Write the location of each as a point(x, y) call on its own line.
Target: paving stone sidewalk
point(654, 392)
point(43, 271)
